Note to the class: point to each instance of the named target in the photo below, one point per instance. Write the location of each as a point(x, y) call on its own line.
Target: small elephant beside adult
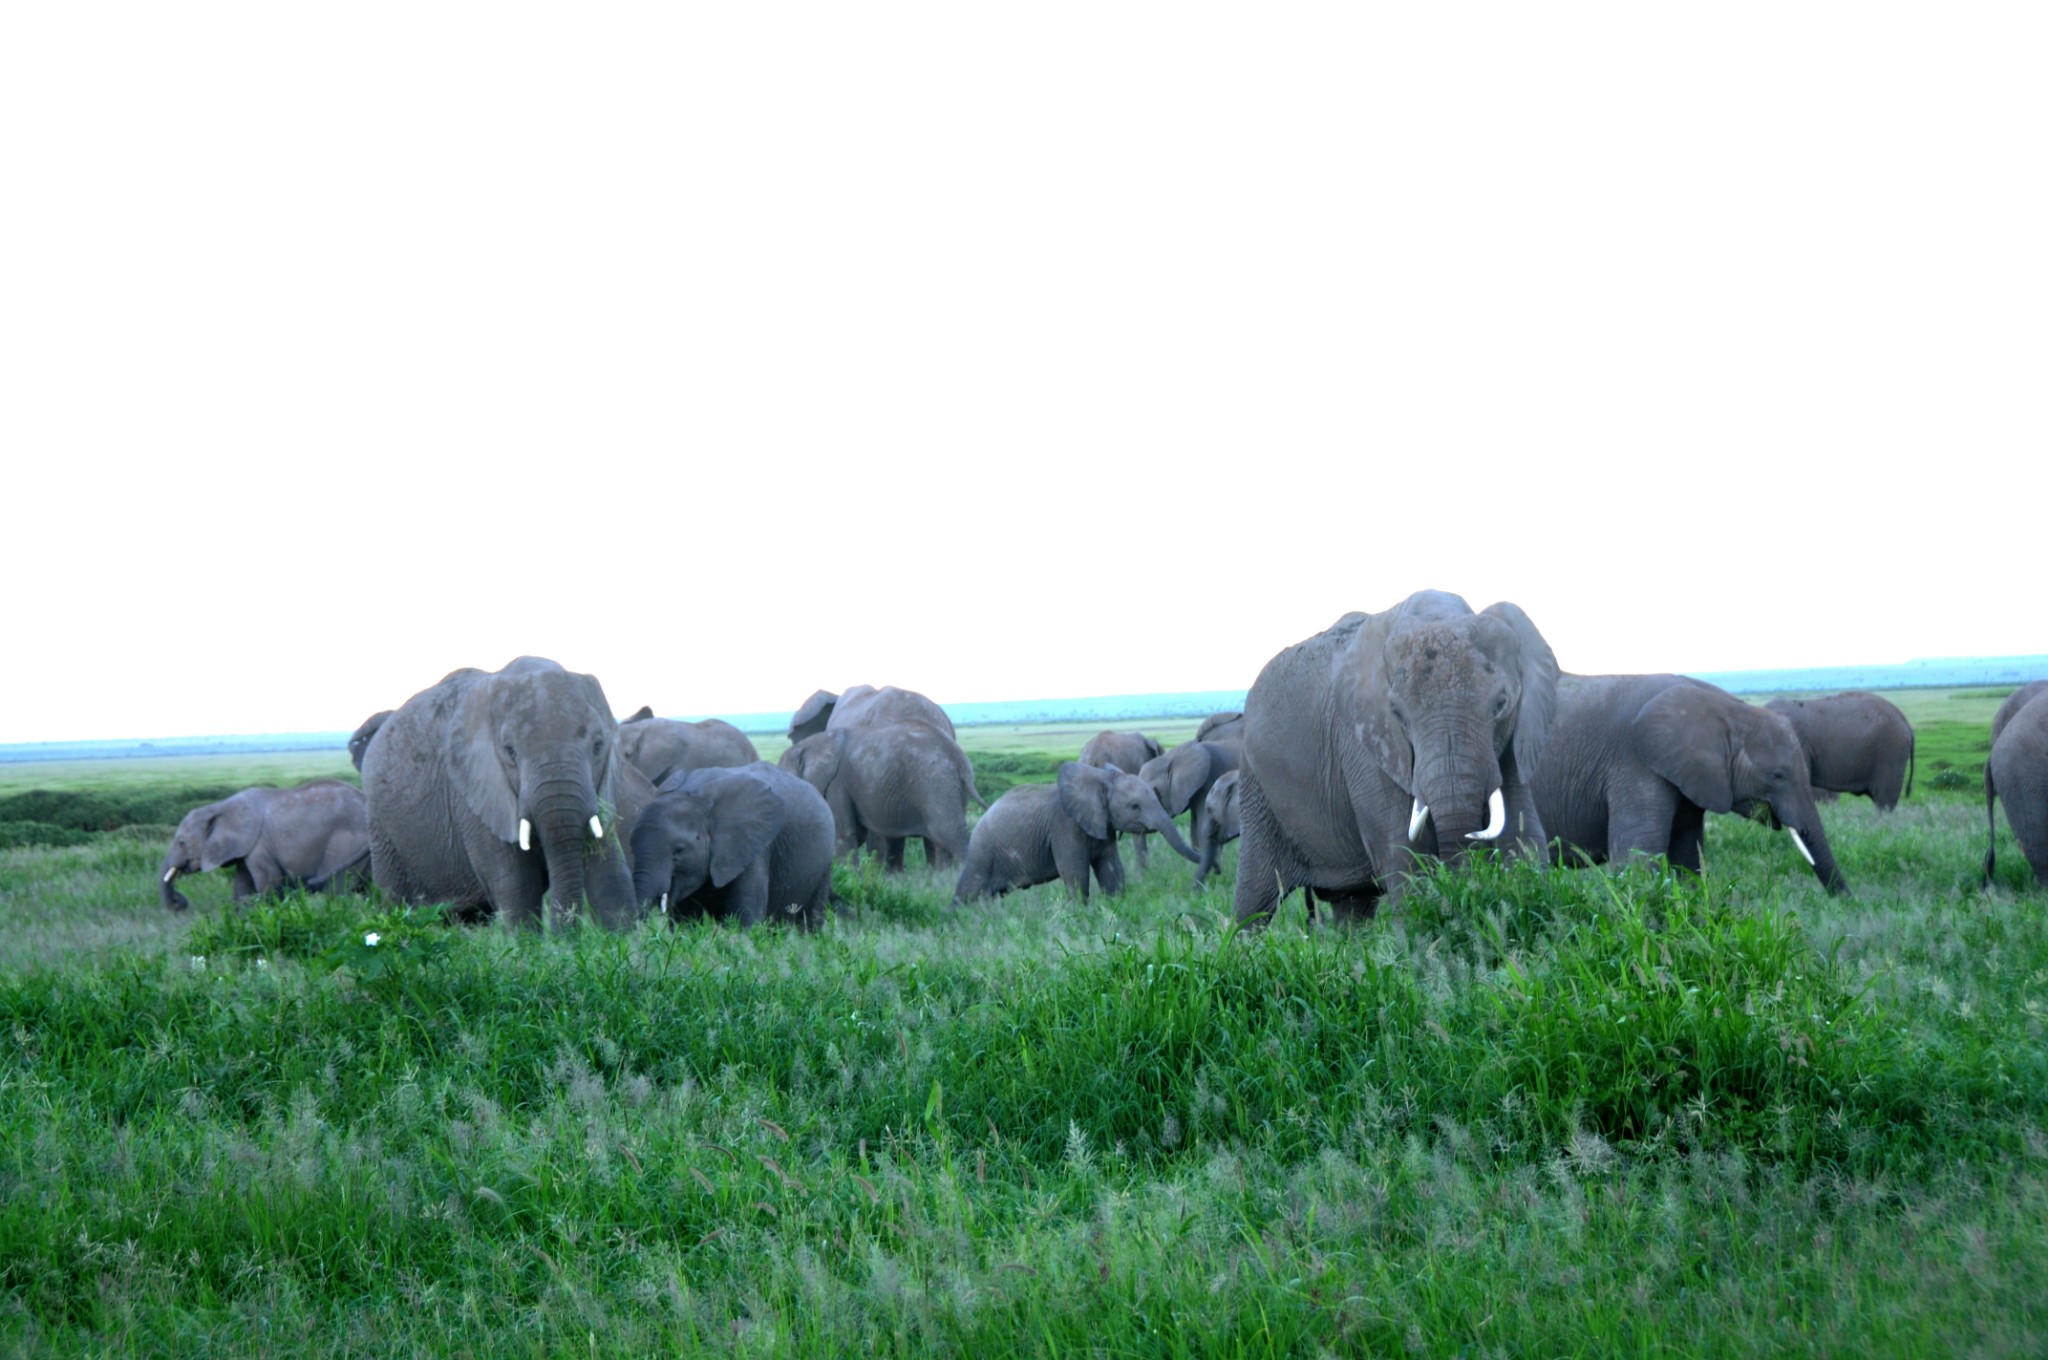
point(661, 747)
point(1067, 830)
point(1181, 779)
point(315, 835)
point(1126, 751)
point(1855, 743)
point(2017, 770)
point(1386, 738)
point(494, 789)
point(864, 705)
point(1637, 761)
point(886, 783)
point(747, 844)
point(1221, 824)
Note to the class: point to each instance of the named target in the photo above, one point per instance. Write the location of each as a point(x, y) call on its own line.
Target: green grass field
point(1533, 1114)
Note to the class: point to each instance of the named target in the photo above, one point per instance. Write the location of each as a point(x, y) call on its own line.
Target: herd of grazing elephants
point(1417, 733)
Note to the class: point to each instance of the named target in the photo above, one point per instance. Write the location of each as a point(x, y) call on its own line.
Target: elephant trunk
point(1171, 834)
point(1211, 840)
point(1812, 840)
point(173, 900)
point(1461, 793)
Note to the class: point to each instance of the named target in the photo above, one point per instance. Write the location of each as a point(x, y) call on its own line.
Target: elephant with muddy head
point(491, 790)
point(1637, 761)
point(1386, 738)
point(316, 835)
point(1854, 743)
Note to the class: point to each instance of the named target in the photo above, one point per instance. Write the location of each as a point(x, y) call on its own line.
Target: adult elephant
point(316, 835)
point(1066, 830)
point(1221, 727)
point(2018, 769)
point(494, 788)
point(660, 747)
point(864, 705)
point(359, 740)
point(746, 844)
point(1126, 751)
point(1637, 761)
point(1183, 777)
point(1386, 737)
point(888, 783)
point(1854, 743)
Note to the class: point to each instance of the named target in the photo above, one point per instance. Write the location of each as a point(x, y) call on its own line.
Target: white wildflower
point(371, 939)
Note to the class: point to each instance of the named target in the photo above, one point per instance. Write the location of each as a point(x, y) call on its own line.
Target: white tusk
point(1416, 819)
point(170, 874)
point(1496, 819)
point(1802, 848)
point(525, 834)
point(597, 828)
point(664, 904)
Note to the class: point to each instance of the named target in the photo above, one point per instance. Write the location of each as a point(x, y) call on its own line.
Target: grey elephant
point(1067, 830)
point(1220, 824)
point(492, 789)
point(1855, 743)
point(1637, 761)
point(660, 747)
point(1183, 777)
point(746, 844)
point(1126, 751)
point(359, 740)
point(1221, 727)
point(2018, 769)
point(864, 704)
point(887, 783)
point(1387, 737)
point(316, 835)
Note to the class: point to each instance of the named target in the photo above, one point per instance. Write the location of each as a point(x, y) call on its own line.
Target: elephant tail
point(1912, 743)
point(1990, 824)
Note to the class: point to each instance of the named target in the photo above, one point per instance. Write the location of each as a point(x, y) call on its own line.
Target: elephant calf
point(1219, 824)
point(2018, 769)
point(746, 844)
point(316, 834)
point(1038, 832)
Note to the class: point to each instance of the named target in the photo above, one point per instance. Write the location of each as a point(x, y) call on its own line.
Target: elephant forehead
point(1434, 656)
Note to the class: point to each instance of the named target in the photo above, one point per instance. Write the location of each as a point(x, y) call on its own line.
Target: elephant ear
point(1187, 769)
point(747, 815)
point(1539, 688)
point(815, 760)
point(1682, 738)
point(474, 764)
point(231, 835)
point(642, 714)
point(1363, 680)
point(1084, 796)
point(819, 705)
point(1152, 749)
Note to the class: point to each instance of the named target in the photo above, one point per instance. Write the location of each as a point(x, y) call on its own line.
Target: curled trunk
point(173, 900)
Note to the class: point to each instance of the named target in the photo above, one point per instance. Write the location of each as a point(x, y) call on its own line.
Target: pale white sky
point(728, 351)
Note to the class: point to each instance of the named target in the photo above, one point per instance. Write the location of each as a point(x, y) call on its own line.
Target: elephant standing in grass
point(1126, 751)
point(660, 747)
point(1388, 737)
point(316, 835)
point(1220, 824)
point(493, 789)
point(747, 844)
point(1066, 830)
point(2018, 770)
point(1854, 743)
point(1637, 761)
point(887, 783)
point(1182, 778)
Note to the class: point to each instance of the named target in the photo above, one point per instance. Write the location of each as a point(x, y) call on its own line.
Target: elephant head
point(705, 827)
point(1187, 772)
point(1103, 800)
point(359, 740)
point(534, 752)
point(1730, 756)
point(1453, 706)
point(209, 838)
point(812, 715)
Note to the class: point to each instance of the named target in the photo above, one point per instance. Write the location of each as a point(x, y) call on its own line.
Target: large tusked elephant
point(1390, 736)
point(747, 844)
point(2018, 770)
point(660, 747)
point(1637, 761)
point(887, 783)
point(492, 789)
point(316, 835)
point(1855, 743)
point(1066, 830)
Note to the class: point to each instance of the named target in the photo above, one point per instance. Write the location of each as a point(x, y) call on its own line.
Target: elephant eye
point(511, 756)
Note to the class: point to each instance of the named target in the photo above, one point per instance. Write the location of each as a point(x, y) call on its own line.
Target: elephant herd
point(1416, 733)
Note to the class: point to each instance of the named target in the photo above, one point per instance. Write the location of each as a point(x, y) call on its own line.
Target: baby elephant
point(1038, 832)
point(1220, 825)
point(744, 843)
point(317, 834)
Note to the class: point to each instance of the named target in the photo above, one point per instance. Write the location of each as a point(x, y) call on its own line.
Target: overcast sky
point(1003, 352)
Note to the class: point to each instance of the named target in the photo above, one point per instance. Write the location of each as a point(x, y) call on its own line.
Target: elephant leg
point(2026, 811)
point(1070, 855)
point(746, 897)
point(1887, 786)
point(1260, 883)
point(892, 852)
point(1525, 834)
point(1688, 837)
point(1640, 818)
point(245, 882)
point(1109, 871)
